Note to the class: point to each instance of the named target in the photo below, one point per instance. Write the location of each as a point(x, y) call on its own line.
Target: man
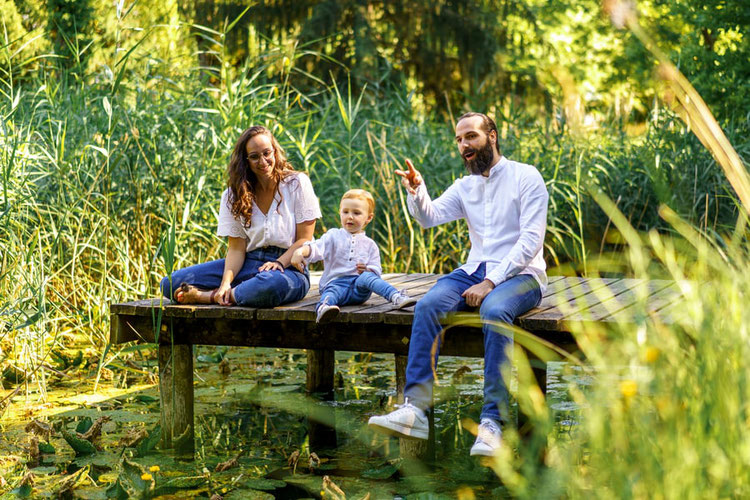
point(505, 205)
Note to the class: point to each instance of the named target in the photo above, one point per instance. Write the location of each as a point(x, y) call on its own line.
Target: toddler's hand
point(361, 267)
point(298, 260)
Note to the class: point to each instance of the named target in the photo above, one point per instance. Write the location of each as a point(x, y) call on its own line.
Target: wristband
point(280, 263)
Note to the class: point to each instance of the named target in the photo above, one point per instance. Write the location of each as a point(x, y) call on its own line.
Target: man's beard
point(482, 160)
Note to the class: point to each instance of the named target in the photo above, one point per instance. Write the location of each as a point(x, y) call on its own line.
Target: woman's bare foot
point(188, 294)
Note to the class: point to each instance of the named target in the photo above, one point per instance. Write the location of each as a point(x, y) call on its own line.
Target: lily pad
point(80, 446)
point(23, 491)
point(145, 398)
point(184, 482)
point(46, 469)
point(248, 495)
point(380, 472)
point(148, 444)
point(264, 484)
point(84, 424)
point(46, 448)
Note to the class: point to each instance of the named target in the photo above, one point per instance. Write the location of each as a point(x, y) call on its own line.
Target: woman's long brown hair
point(243, 182)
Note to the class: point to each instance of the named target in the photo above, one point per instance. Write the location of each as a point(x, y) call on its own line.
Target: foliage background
point(117, 120)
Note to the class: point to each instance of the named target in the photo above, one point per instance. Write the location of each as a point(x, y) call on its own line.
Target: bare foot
point(188, 294)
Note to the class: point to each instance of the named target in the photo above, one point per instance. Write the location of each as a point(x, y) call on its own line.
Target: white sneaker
point(326, 313)
point(488, 438)
point(407, 422)
point(402, 299)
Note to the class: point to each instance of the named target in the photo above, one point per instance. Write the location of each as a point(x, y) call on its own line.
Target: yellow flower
point(154, 468)
point(628, 388)
point(652, 354)
point(146, 476)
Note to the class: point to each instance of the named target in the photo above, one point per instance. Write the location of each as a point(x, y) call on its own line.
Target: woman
point(268, 211)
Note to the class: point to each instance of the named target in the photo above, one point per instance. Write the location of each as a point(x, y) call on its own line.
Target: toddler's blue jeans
point(355, 289)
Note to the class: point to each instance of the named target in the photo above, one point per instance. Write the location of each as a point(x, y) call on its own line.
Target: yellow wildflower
point(652, 354)
point(628, 388)
point(146, 476)
point(154, 468)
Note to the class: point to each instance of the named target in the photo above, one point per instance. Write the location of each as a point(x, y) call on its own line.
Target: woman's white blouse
point(295, 202)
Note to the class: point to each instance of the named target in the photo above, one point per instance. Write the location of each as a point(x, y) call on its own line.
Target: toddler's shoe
point(402, 299)
point(326, 313)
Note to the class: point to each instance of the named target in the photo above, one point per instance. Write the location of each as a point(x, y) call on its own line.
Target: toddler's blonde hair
point(361, 194)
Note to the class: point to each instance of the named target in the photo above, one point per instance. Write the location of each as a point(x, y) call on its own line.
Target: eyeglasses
point(255, 157)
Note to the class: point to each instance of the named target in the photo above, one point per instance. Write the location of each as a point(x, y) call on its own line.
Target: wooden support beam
point(321, 365)
point(176, 393)
point(420, 449)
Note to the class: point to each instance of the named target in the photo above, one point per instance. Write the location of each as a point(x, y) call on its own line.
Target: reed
point(111, 179)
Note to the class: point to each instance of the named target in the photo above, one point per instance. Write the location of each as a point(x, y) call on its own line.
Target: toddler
point(352, 260)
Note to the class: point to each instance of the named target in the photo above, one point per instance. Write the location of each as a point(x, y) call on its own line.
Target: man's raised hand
point(411, 179)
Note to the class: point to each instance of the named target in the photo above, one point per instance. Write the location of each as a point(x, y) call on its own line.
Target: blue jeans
point(503, 304)
point(251, 288)
point(355, 289)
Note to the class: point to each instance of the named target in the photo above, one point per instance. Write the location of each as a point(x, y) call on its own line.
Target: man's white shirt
point(507, 216)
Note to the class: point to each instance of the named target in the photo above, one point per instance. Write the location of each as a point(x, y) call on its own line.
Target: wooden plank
point(305, 309)
point(548, 316)
point(619, 301)
point(577, 300)
point(656, 301)
point(375, 309)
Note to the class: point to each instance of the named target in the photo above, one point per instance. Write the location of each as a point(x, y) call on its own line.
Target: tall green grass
point(663, 410)
point(93, 167)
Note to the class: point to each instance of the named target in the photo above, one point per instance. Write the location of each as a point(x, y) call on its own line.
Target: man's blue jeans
point(355, 289)
point(251, 288)
point(503, 304)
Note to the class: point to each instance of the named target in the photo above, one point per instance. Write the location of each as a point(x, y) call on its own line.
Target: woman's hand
point(223, 295)
point(298, 259)
point(273, 265)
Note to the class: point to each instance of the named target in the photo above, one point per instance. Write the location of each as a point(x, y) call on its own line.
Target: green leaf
point(46, 448)
point(22, 491)
point(80, 446)
point(117, 491)
point(84, 425)
point(133, 482)
point(380, 472)
point(180, 483)
point(264, 484)
point(148, 444)
point(145, 398)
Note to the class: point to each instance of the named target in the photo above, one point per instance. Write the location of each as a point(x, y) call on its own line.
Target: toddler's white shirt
point(341, 251)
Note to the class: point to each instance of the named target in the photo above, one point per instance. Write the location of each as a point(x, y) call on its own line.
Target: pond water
point(250, 405)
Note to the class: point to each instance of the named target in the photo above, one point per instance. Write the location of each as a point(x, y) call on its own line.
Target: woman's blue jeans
point(503, 304)
point(355, 289)
point(251, 288)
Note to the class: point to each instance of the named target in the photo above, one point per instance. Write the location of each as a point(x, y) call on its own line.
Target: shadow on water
point(251, 408)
